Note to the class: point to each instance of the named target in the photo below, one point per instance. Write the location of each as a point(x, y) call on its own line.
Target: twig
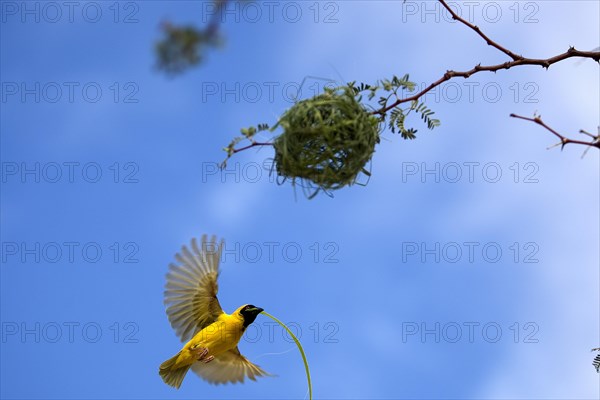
point(489, 41)
point(563, 139)
point(253, 144)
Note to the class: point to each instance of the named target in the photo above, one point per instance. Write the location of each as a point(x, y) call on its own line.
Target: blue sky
point(379, 316)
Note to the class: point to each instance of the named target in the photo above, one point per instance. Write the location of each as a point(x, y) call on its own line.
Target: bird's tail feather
point(171, 374)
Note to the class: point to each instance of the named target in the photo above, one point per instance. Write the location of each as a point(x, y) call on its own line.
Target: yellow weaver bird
point(211, 336)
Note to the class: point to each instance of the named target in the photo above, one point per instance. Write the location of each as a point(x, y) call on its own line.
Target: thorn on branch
point(589, 134)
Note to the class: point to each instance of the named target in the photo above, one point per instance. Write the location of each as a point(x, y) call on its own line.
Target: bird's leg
point(199, 352)
point(208, 359)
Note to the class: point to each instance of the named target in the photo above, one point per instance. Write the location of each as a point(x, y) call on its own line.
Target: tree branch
point(563, 139)
point(517, 60)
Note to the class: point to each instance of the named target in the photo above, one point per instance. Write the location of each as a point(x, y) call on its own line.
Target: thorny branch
point(572, 52)
point(563, 139)
point(517, 60)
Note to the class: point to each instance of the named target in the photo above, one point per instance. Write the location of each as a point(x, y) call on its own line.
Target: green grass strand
point(299, 348)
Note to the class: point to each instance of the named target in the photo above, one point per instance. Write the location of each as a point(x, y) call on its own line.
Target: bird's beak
point(256, 310)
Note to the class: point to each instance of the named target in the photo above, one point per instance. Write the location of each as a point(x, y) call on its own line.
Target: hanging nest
point(327, 140)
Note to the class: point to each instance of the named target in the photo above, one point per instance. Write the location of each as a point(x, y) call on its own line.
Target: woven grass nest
point(327, 140)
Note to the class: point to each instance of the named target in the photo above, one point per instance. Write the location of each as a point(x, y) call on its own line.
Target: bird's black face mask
point(249, 313)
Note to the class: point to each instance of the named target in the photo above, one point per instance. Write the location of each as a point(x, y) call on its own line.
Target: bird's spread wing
point(230, 366)
point(191, 289)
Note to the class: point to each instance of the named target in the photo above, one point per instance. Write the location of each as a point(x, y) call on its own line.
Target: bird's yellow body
point(220, 336)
